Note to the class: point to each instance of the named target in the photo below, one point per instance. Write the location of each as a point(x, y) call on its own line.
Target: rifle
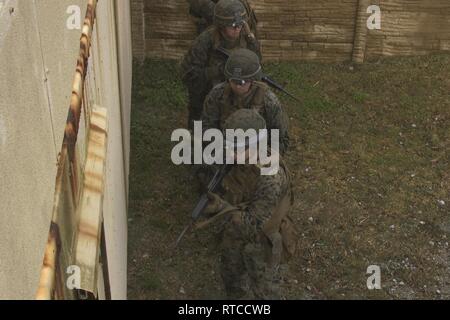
point(203, 202)
point(264, 77)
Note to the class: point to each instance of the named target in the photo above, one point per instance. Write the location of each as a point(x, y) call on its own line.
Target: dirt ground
point(371, 169)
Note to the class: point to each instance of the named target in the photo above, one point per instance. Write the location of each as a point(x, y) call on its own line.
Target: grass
point(370, 164)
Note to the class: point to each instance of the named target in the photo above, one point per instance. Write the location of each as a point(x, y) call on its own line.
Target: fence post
point(359, 44)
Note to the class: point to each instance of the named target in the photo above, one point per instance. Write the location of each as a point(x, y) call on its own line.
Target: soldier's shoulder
point(275, 175)
point(206, 37)
point(217, 91)
point(271, 100)
point(276, 179)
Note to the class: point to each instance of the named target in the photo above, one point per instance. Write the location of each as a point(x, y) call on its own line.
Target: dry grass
point(370, 158)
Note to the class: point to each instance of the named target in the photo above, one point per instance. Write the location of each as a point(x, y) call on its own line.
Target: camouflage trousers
point(195, 107)
point(247, 269)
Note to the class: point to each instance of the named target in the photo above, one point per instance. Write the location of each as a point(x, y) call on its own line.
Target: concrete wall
point(38, 55)
point(322, 30)
point(35, 88)
point(125, 59)
point(111, 84)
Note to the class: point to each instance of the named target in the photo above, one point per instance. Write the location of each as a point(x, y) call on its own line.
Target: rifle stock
point(203, 202)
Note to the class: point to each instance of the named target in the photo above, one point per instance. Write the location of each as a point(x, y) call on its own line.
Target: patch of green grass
point(359, 97)
point(369, 158)
point(149, 281)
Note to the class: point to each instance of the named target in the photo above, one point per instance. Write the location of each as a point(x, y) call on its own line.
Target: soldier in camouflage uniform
point(203, 65)
point(245, 90)
point(203, 11)
point(259, 235)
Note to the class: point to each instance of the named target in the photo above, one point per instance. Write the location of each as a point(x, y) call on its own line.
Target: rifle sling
point(227, 210)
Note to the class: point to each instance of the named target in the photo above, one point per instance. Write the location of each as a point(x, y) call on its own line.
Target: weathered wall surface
point(125, 64)
point(410, 27)
point(34, 98)
point(112, 63)
point(39, 54)
point(321, 30)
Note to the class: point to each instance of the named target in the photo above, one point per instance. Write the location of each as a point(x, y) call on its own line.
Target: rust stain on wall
point(59, 249)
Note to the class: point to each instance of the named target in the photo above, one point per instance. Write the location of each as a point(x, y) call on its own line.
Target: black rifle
point(203, 202)
point(264, 77)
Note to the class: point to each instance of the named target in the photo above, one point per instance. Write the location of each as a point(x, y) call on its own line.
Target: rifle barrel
point(182, 234)
point(275, 85)
point(201, 205)
point(203, 202)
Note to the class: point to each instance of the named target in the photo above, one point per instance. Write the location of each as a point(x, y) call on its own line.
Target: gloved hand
point(237, 218)
point(215, 204)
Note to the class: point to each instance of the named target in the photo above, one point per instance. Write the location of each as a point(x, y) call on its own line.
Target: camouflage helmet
point(243, 65)
point(245, 119)
point(229, 13)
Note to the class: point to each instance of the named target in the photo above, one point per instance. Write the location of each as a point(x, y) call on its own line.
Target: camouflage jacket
point(259, 196)
point(203, 65)
point(221, 103)
point(204, 11)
